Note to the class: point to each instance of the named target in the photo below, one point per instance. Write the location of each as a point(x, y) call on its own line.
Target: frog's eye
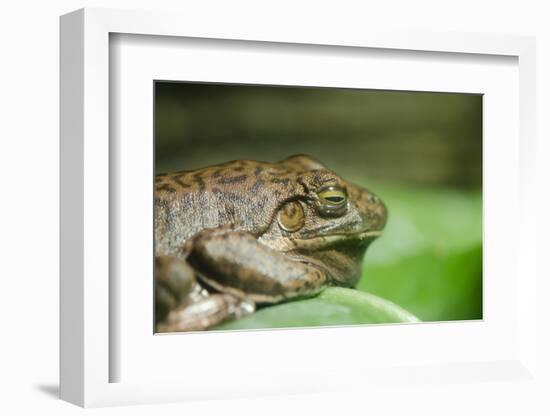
point(333, 200)
point(291, 216)
point(333, 196)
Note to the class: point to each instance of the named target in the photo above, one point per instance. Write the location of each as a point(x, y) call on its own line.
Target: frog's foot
point(205, 313)
point(175, 280)
point(234, 262)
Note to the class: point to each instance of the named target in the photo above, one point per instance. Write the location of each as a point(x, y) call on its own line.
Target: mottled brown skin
point(231, 236)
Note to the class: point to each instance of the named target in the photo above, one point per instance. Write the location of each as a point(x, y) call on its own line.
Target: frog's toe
point(206, 313)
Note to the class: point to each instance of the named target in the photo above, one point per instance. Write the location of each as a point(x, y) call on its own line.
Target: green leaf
point(334, 306)
point(429, 259)
point(435, 286)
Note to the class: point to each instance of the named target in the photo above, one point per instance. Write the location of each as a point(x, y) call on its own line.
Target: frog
point(242, 235)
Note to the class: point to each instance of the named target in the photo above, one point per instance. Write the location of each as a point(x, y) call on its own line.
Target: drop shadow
point(51, 390)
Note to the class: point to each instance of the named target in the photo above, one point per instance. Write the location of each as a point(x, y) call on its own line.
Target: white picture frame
point(87, 167)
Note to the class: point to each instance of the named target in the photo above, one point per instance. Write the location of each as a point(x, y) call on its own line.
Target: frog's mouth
point(364, 237)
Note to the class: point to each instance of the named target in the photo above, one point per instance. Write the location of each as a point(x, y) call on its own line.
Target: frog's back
point(244, 194)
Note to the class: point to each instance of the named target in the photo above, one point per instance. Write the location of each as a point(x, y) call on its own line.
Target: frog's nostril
point(373, 199)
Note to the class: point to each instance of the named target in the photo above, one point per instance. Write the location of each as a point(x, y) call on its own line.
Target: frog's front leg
point(236, 263)
point(181, 304)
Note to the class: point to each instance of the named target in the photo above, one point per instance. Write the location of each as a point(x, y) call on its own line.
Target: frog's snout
point(373, 211)
point(382, 214)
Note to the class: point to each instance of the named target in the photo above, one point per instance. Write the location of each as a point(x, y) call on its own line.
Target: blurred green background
point(421, 152)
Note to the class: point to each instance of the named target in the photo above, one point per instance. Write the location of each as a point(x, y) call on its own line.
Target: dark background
point(420, 151)
point(434, 138)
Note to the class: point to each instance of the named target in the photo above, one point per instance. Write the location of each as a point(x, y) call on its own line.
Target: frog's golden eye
point(333, 196)
point(291, 216)
point(333, 201)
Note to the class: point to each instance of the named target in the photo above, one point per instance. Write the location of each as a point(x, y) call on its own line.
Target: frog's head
point(328, 211)
point(325, 220)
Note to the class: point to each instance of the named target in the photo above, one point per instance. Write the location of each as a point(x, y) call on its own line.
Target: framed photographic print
point(315, 224)
point(272, 212)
